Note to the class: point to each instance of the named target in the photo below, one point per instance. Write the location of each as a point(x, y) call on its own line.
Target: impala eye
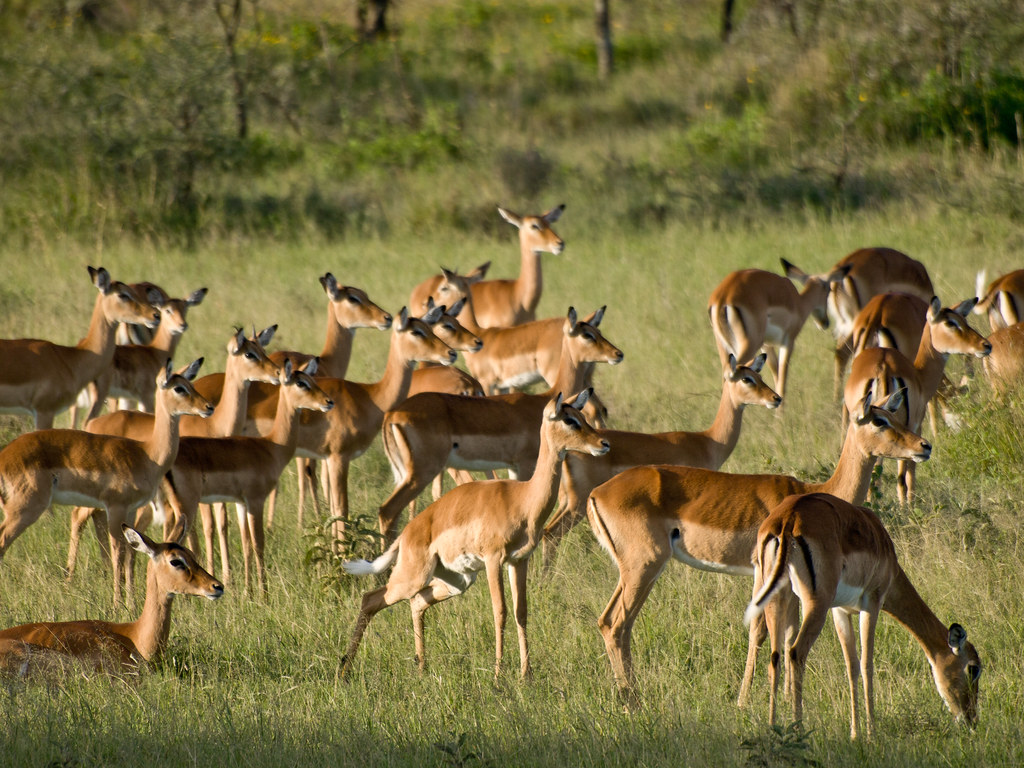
point(880, 423)
point(302, 384)
point(419, 334)
point(177, 562)
point(354, 299)
point(573, 423)
point(180, 390)
point(250, 356)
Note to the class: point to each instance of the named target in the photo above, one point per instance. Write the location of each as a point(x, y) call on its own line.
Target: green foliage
point(778, 746)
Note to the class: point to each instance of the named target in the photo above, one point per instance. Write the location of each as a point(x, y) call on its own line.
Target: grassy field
point(381, 162)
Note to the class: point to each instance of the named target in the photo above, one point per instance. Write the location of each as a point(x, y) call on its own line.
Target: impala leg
point(337, 471)
point(19, 514)
point(848, 642)
point(616, 623)
point(407, 491)
point(569, 512)
point(430, 595)
point(79, 517)
point(517, 578)
point(497, 587)
point(243, 531)
point(206, 515)
point(815, 616)
point(271, 505)
point(255, 520)
point(785, 352)
point(773, 619)
point(868, 622)
point(220, 519)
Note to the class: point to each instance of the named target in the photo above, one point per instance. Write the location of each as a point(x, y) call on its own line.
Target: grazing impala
point(502, 303)
point(474, 527)
point(884, 370)
point(827, 555)
point(66, 466)
point(871, 271)
point(647, 516)
point(108, 647)
point(433, 430)
point(246, 362)
point(753, 309)
point(1003, 302)
point(41, 379)
point(245, 469)
point(741, 386)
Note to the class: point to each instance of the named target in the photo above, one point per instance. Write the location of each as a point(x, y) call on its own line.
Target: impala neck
point(572, 374)
point(285, 431)
point(929, 362)
point(904, 604)
point(393, 386)
point(228, 416)
point(153, 627)
point(529, 283)
point(99, 339)
point(162, 445)
point(852, 477)
point(165, 341)
point(724, 432)
point(542, 488)
point(337, 351)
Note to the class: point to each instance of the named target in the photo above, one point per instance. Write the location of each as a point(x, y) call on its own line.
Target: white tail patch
point(367, 568)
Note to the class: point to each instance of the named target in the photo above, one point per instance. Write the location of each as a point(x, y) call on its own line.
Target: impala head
point(586, 343)
point(176, 568)
point(352, 308)
point(301, 388)
point(123, 303)
point(454, 287)
point(957, 672)
point(451, 331)
point(950, 332)
point(535, 232)
point(173, 312)
point(417, 340)
point(179, 394)
point(249, 356)
point(882, 433)
point(817, 286)
point(748, 388)
point(566, 429)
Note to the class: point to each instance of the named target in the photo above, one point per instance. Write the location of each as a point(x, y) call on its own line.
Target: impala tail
point(776, 547)
point(980, 290)
point(374, 568)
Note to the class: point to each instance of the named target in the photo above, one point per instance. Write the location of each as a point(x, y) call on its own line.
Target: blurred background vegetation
point(189, 121)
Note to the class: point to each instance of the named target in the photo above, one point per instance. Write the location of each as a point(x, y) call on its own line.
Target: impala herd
point(649, 498)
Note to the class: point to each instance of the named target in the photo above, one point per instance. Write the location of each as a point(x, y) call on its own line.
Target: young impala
point(474, 527)
point(824, 554)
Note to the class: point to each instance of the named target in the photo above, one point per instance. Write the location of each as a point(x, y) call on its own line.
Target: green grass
point(257, 681)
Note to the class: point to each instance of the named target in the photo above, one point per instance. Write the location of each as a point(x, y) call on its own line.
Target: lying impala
point(41, 379)
point(837, 557)
point(871, 271)
point(1003, 301)
point(502, 303)
point(65, 466)
point(884, 370)
point(647, 516)
point(247, 362)
point(741, 386)
point(431, 431)
point(474, 527)
point(102, 645)
point(753, 309)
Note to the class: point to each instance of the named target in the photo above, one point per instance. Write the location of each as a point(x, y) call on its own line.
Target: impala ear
point(196, 297)
point(192, 369)
point(311, 367)
point(264, 336)
point(794, 272)
point(596, 317)
point(838, 275)
point(433, 314)
point(235, 345)
point(177, 534)
point(449, 274)
point(167, 373)
point(512, 218)
point(895, 401)
point(964, 307)
point(572, 319)
point(552, 216)
point(155, 297)
point(287, 369)
point(138, 541)
point(758, 363)
point(557, 408)
point(581, 399)
point(957, 639)
point(403, 319)
point(479, 273)
point(934, 307)
point(100, 278)
point(456, 308)
point(733, 365)
point(330, 285)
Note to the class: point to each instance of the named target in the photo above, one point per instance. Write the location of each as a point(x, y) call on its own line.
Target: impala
point(244, 470)
point(741, 386)
point(478, 526)
point(647, 516)
point(753, 309)
point(41, 379)
point(871, 271)
point(131, 372)
point(246, 362)
point(349, 429)
point(66, 466)
point(1005, 365)
point(826, 554)
point(883, 370)
point(502, 303)
point(431, 430)
point(1003, 302)
point(105, 646)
